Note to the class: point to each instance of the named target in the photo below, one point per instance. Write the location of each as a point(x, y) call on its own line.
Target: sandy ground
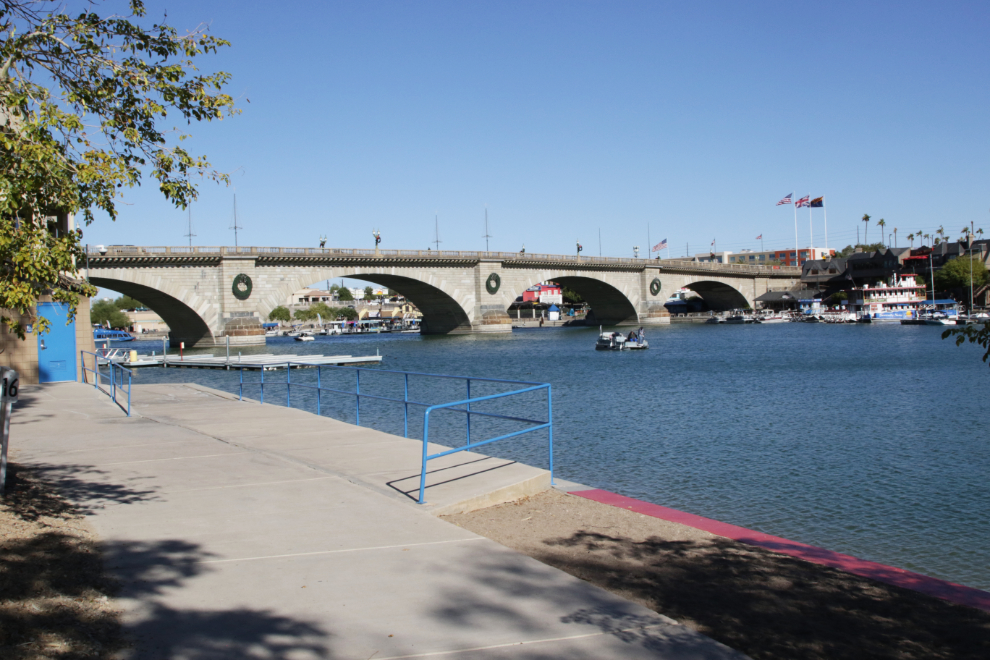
point(766, 605)
point(54, 599)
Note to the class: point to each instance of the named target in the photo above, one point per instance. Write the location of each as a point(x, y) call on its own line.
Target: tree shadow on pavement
point(58, 584)
point(505, 594)
point(43, 489)
point(769, 606)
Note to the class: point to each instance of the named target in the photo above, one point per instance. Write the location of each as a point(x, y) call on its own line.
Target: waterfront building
point(546, 293)
point(311, 296)
point(765, 257)
point(146, 321)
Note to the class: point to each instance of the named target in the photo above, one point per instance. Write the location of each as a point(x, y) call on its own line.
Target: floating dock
point(265, 361)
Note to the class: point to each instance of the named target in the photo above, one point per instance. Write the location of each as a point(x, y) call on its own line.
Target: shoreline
point(761, 602)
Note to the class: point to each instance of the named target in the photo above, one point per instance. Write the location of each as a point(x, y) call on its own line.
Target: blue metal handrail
point(463, 406)
point(116, 377)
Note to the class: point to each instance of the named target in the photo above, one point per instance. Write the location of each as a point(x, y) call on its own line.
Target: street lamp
point(636, 252)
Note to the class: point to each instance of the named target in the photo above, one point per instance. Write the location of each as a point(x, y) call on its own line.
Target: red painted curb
point(955, 593)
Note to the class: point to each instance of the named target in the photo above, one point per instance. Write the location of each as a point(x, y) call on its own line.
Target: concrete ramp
point(242, 531)
point(387, 463)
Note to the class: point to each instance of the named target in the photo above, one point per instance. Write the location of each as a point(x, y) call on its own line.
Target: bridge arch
point(719, 296)
point(184, 323)
point(610, 305)
point(441, 313)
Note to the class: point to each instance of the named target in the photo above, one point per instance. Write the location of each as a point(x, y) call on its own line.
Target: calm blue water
point(867, 440)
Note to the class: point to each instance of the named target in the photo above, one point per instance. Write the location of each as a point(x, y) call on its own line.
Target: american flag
point(803, 201)
point(786, 200)
point(660, 246)
point(713, 242)
point(760, 237)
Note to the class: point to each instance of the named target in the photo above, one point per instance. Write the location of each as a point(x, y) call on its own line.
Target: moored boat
point(103, 334)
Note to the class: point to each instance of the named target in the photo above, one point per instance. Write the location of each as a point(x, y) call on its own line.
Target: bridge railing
point(519, 257)
point(459, 406)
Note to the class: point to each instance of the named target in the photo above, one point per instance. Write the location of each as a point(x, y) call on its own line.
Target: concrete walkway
point(247, 531)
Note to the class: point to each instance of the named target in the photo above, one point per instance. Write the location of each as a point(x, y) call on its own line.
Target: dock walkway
point(240, 530)
point(259, 361)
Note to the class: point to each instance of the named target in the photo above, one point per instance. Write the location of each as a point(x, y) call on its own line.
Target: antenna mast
point(436, 227)
point(190, 235)
point(487, 235)
point(235, 226)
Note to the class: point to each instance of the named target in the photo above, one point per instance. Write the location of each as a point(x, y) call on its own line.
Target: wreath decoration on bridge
point(241, 287)
point(493, 283)
point(655, 286)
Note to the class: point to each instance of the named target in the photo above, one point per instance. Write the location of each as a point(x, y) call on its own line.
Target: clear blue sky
point(570, 117)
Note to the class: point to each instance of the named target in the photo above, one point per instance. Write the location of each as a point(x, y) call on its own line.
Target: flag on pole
point(760, 237)
point(803, 201)
point(818, 202)
point(662, 245)
point(786, 200)
point(713, 242)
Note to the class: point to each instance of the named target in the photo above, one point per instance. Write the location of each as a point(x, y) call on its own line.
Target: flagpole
point(825, 213)
point(811, 227)
point(795, 227)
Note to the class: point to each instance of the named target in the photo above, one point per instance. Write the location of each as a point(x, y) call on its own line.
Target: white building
point(763, 257)
point(310, 296)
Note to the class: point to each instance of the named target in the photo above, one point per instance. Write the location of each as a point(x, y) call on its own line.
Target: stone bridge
point(204, 297)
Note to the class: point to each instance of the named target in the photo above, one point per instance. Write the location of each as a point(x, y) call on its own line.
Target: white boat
point(938, 318)
point(636, 341)
point(735, 319)
point(610, 341)
point(305, 336)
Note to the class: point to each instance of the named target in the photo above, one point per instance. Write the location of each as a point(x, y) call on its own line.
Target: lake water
point(871, 440)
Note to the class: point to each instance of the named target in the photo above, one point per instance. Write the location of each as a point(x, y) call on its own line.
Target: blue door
point(57, 347)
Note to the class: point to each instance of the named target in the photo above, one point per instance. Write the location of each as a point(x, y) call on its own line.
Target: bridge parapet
point(509, 259)
point(211, 294)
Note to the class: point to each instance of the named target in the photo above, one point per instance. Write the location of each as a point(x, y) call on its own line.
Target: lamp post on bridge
point(378, 239)
point(579, 248)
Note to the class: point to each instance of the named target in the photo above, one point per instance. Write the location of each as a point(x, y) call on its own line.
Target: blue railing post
point(468, 407)
point(288, 385)
point(405, 404)
point(113, 386)
point(357, 397)
point(262, 383)
point(550, 429)
point(240, 389)
point(318, 394)
point(128, 393)
point(426, 441)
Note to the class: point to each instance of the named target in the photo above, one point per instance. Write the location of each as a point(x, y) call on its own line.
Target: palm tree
point(927, 237)
point(920, 236)
point(881, 223)
point(941, 232)
point(979, 232)
point(895, 236)
point(911, 238)
point(866, 219)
